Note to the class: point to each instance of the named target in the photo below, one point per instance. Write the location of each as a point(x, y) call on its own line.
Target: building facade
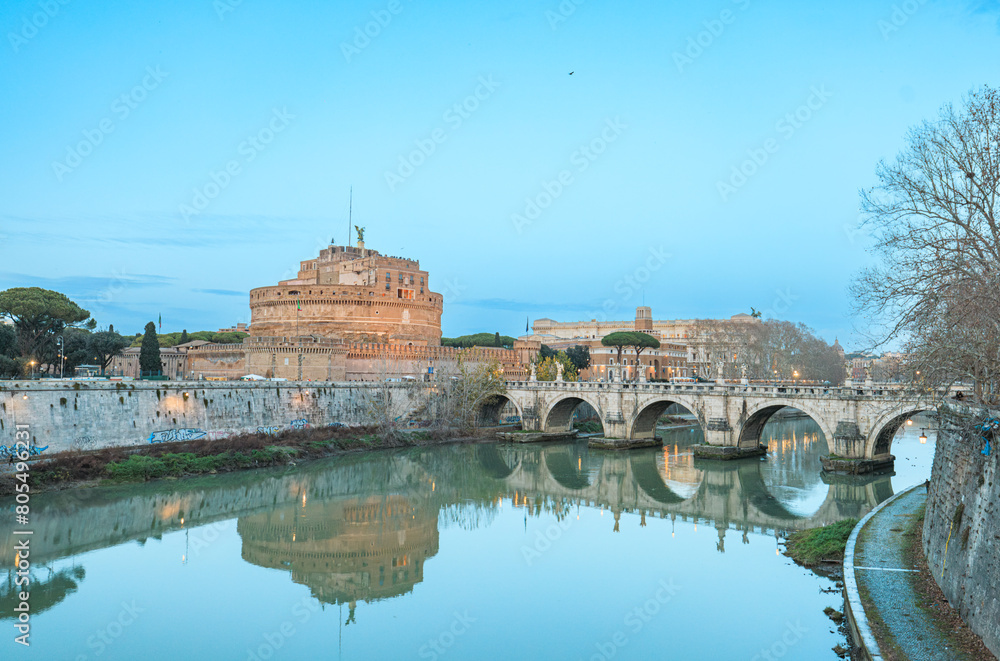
point(352, 294)
point(685, 350)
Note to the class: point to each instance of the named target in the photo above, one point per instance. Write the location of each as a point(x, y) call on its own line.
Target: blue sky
point(525, 191)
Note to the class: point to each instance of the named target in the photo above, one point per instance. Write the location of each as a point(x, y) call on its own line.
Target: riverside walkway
point(884, 576)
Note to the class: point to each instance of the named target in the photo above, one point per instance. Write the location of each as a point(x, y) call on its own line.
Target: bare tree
point(933, 217)
point(467, 387)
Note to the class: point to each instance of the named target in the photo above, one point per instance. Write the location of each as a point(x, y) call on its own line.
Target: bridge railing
point(759, 389)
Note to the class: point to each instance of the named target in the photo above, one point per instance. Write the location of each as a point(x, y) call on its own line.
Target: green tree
point(630, 339)
point(149, 354)
point(547, 369)
point(184, 337)
point(8, 351)
point(580, 357)
point(104, 346)
point(641, 341)
point(496, 340)
point(39, 315)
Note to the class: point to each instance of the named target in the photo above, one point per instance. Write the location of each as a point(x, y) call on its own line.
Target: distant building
point(683, 352)
point(238, 328)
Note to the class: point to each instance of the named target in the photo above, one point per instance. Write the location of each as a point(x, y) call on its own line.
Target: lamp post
point(32, 363)
point(60, 341)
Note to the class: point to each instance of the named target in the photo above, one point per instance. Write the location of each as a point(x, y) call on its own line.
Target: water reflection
point(361, 528)
point(402, 540)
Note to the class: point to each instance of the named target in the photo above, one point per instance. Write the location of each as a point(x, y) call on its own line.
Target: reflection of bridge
point(728, 494)
point(362, 527)
point(858, 422)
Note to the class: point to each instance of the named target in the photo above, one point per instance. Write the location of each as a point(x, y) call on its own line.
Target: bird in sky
point(571, 72)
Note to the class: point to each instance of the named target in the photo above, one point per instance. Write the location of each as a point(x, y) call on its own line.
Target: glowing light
point(182, 520)
point(923, 437)
point(909, 422)
point(25, 397)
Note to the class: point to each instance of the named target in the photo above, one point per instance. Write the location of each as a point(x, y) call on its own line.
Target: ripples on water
point(456, 552)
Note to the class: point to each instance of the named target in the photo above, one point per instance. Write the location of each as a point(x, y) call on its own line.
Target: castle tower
point(644, 319)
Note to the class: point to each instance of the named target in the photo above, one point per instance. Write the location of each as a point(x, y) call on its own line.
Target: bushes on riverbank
point(824, 544)
point(251, 450)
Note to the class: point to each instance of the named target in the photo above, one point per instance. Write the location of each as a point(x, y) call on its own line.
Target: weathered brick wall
point(962, 528)
point(66, 415)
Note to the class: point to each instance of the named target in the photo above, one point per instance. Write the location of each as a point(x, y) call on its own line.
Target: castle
point(351, 314)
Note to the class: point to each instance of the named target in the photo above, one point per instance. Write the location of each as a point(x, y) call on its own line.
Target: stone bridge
point(859, 422)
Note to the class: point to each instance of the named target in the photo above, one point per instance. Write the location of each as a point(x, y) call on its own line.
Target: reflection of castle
point(347, 550)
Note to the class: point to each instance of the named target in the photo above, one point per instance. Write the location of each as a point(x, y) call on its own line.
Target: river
point(482, 551)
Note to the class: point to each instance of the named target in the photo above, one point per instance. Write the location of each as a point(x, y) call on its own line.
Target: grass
point(139, 468)
point(824, 544)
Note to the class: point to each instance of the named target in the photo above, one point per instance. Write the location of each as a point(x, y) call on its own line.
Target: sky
point(570, 160)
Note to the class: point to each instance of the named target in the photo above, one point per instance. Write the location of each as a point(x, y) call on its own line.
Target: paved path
point(880, 566)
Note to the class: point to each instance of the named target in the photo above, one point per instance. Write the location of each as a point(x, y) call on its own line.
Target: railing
point(764, 390)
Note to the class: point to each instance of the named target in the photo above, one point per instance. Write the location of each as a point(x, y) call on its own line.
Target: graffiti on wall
point(301, 423)
point(268, 430)
point(14, 450)
point(170, 435)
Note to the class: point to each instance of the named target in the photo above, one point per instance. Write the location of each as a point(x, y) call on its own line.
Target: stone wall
point(79, 415)
point(962, 527)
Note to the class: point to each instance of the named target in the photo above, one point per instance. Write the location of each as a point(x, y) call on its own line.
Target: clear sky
point(536, 193)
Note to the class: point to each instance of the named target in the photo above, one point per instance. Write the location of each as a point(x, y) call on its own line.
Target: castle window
point(411, 279)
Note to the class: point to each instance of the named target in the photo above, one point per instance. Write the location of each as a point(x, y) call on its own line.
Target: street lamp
point(62, 355)
point(923, 437)
point(32, 363)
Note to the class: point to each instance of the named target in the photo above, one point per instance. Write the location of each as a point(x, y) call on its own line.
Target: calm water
point(457, 552)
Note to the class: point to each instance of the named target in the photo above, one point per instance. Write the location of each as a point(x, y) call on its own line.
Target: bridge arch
point(495, 464)
point(490, 410)
point(884, 428)
point(754, 418)
point(649, 480)
point(644, 423)
point(572, 472)
point(559, 416)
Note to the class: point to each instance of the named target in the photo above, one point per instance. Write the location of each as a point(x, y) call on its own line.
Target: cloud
point(85, 285)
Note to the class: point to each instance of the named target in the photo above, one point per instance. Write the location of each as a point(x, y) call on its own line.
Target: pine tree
point(149, 353)
point(496, 340)
point(184, 337)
